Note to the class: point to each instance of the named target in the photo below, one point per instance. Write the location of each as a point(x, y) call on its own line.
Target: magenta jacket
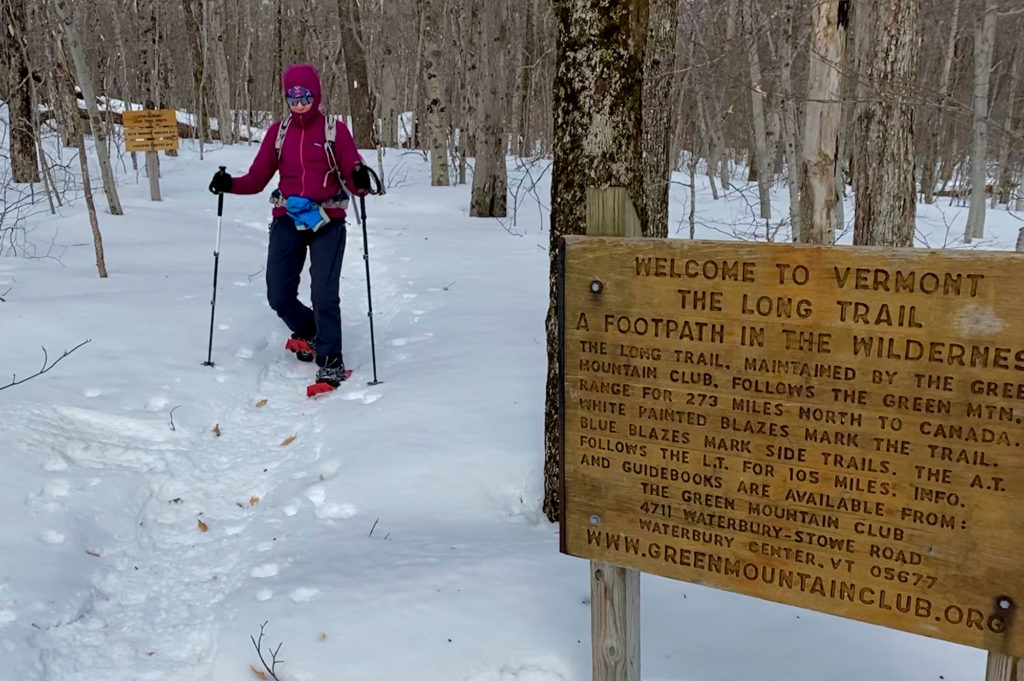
point(304, 168)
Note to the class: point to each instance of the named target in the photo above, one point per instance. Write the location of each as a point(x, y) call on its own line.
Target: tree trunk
point(822, 120)
point(490, 180)
point(527, 144)
point(436, 111)
point(221, 75)
point(887, 43)
point(935, 115)
point(194, 9)
point(473, 86)
point(84, 73)
point(659, 65)
point(598, 93)
point(758, 93)
point(76, 129)
point(24, 160)
point(790, 125)
point(984, 39)
point(1004, 168)
point(357, 79)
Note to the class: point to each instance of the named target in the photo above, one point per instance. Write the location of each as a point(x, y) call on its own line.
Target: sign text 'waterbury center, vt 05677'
point(840, 429)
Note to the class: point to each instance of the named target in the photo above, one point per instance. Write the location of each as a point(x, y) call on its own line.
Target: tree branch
point(47, 365)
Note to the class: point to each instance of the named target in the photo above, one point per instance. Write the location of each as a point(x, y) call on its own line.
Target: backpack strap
point(282, 129)
point(330, 132)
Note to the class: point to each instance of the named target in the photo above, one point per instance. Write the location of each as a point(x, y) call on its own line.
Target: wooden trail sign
point(150, 130)
point(834, 428)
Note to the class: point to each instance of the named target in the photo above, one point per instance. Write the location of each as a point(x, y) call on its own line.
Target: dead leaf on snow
point(203, 527)
point(288, 440)
point(254, 500)
point(216, 430)
point(257, 673)
point(262, 403)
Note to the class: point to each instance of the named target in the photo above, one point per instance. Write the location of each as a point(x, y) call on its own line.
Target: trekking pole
point(366, 260)
point(216, 265)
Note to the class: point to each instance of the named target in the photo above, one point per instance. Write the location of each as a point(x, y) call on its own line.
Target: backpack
point(330, 132)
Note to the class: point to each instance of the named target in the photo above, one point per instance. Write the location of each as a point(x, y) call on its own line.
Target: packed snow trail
point(385, 532)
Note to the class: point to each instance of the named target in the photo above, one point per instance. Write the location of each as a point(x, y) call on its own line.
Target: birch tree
point(436, 111)
point(597, 143)
point(83, 72)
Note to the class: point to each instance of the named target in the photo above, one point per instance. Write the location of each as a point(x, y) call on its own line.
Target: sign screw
point(1004, 602)
point(596, 286)
point(595, 519)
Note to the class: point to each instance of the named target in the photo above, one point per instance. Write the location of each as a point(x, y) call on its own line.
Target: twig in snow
point(172, 418)
point(374, 527)
point(47, 365)
point(273, 653)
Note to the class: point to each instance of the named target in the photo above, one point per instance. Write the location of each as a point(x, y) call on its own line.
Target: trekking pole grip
point(220, 195)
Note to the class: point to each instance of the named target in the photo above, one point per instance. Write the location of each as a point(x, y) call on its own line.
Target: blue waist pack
point(307, 213)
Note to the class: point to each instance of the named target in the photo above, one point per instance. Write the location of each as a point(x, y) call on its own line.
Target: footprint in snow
point(156, 403)
point(51, 537)
point(303, 595)
point(92, 392)
point(366, 396)
point(328, 510)
point(244, 353)
point(264, 571)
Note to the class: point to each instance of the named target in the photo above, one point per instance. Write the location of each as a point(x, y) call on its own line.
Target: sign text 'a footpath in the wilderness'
point(840, 429)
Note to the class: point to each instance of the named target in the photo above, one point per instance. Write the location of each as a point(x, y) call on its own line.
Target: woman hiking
point(317, 161)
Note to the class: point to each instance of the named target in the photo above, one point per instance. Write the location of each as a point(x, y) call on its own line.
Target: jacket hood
point(308, 77)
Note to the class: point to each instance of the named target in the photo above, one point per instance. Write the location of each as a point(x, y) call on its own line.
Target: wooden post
point(614, 591)
point(153, 171)
point(1004, 667)
point(153, 165)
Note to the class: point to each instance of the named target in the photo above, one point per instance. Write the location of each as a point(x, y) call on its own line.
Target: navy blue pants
point(286, 258)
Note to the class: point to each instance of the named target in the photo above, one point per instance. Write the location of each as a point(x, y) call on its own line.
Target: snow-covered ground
point(157, 512)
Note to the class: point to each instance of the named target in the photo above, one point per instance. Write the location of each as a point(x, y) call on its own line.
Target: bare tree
point(73, 41)
point(597, 144)
point(659, 68)
point(490, 178)
point(758, 95)
point(24, 161)
point(436, 111)
point(887, 36)
point(984, 39)
point(358, 81)
point(83, 161)
point(221, 75)
point(822, 122)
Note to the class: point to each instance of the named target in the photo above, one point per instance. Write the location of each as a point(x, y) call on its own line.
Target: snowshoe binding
point(304, 349)
point(328, 378)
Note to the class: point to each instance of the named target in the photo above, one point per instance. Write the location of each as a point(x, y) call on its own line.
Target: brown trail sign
point(151, 130)
point(838, 429)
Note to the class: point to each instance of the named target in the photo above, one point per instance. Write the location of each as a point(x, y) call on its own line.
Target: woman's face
point(300, 108)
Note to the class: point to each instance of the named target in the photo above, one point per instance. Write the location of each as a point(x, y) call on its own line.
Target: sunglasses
point(297, 101)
